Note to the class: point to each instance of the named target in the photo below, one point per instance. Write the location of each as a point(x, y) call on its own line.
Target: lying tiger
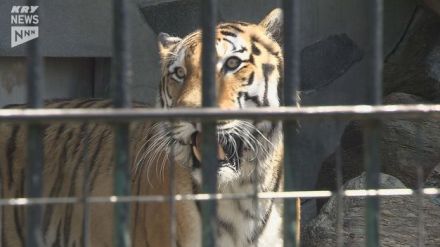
point(249, 70)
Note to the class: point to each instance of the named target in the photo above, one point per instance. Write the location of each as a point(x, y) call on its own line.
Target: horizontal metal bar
point(207, 197)
point(203, 114)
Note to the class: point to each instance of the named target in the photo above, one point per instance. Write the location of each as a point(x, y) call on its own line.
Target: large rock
point(398, 219)
point(404, 144)
point(433, 180)
point(413, 66)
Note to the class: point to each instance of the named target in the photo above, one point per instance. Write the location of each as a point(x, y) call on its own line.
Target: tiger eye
point(180, 72)
point(232, 63)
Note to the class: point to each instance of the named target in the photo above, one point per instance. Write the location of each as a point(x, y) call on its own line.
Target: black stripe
point(57, 186)
point(84, 102)
point(60, 130)
point(67, 222)
point(255, 49)
point(250, 79)
point(231, 26)
point(94, 169)
point(267, 71)
point(266, 46)
point(260, 228)
point(239, 100)
point(10, 151)
point(168, 93)
point(69, 207)
point(19, 226)
point(107, 104)
point(227, 33)
point(196, 162)
point(230, 42)
point(251, 59)
point(58, 236)
point(243, 49)
point(61, 105)
point(251, 98)
point(227, 227)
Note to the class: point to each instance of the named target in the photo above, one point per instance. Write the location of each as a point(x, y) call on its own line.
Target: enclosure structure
point(289, 114)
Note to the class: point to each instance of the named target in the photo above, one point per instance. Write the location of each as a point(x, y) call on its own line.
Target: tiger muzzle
point(228, 154)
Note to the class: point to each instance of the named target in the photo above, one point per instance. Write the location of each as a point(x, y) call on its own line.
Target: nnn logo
point(24, 24)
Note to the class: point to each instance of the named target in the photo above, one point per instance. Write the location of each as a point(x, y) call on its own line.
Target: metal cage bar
point(419, 195)
point(360, 112)
point(35, 152)
point(209, 140)
point(121, 63)
point(208, 197)
point(339, 200)
point(292, 78)
point(85, 241)
point(373, 128)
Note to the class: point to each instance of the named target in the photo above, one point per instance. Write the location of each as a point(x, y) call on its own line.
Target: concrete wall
point(76, 38)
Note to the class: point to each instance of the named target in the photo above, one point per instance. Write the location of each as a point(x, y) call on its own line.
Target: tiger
point(79, 157)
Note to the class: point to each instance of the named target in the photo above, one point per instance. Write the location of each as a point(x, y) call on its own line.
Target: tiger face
point(248, 74)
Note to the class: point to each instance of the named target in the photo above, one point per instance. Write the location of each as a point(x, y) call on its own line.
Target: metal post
point(85, 193)
point(419, 192)
point(339, 200)
point(172, 200)
point(209, 140)
point(292, 77)
point(34, 171)
point(121, 63)
point(372, 130)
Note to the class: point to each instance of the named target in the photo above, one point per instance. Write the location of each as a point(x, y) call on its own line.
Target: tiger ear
point(273, 23)
point(167, 41)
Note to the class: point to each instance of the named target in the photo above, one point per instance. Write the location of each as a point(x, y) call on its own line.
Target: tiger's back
point(74, 153)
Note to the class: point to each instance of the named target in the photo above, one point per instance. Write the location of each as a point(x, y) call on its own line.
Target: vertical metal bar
point(35, 87)
point(255, 201)
point(419, 194)
point(121, 63)
point(372, 130)
point(172, 202)
point(339, 200)
point(372, 163)
point(292, 77)
point(377, 53)
point(209, 140)
point(121, 53)
point(86, 191)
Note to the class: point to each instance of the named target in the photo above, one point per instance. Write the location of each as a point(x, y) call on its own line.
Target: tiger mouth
point(228, 155)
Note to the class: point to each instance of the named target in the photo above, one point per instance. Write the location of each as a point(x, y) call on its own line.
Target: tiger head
point(248, 74)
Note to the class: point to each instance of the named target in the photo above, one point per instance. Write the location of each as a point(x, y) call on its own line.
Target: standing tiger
point(249, 70)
